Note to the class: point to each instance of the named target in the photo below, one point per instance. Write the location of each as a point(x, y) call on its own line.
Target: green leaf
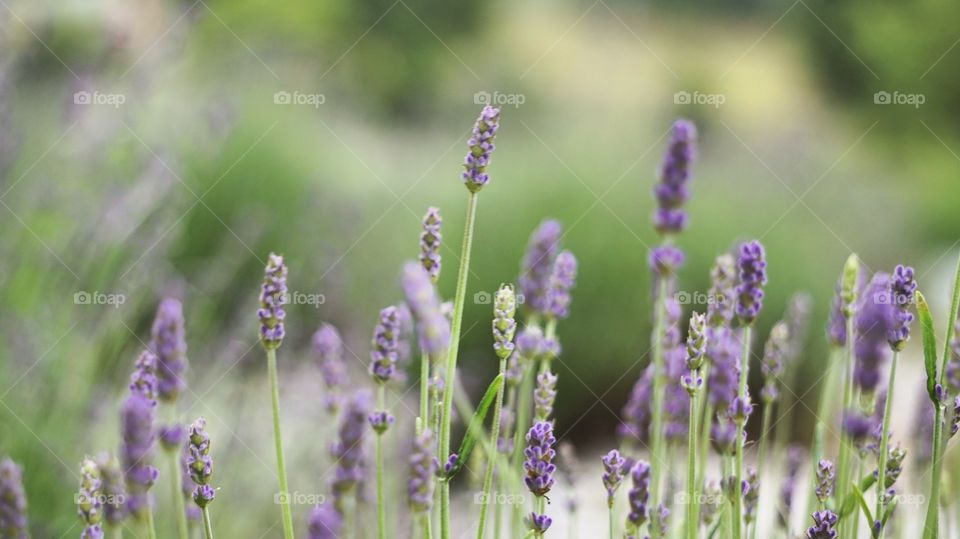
point(929, 346)
point(476, 424)
point(850, 502)
point(888, 512)
point(863, 503)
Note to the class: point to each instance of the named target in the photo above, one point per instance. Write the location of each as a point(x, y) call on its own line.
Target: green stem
point(491, 455)
point(207, 527)
point(424, 393)
point(278, 443)
point(727, 507)
point(843, 463)
point(825, 408)
point(762, 455)
point(178, 505)
point(692, 433)
point(738, 446)
point(425, 524)
point(381, 507)
point(659, 379)
point(610, 521)
point(856, 514)
point(884, 441)
point(151, 529)
point(459, 298)
point(931, 525)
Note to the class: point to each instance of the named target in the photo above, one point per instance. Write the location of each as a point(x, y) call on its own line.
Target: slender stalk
point(381, 508)
point(738, 446)
point(459, 298)
point(498, 509)
point(692, 432)
point(728, 508)
point(207, 527)
point(884, 441)
point(278, 443)
point(178, 505)
point(761, 457)
point(825, 408)
point(151, 529)
point(843, 463)
point(931, 525)
point(659, 379)
point(610, 521)
point(856, 514)
point(491, 455)
point(425, 524)
point(424, 393)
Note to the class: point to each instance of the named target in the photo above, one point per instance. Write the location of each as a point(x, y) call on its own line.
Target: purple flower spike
point(171, 436)
point(902, 290)
point(823, 525)
point(383, 357)
point(723, 279)
point(635, 423)
point(168, 341)
point(539, 524)
point(136, 421)
point(481, 148)
point(504, 325)
point(273, 296)
point(144, 377)
point(348, 451)
point(537, 266)
point(673, 190)
point(544, 395)
point(696, 344)
point(539, 455)
point(665, 260)
point(751, 495)
point(561, 281)
point(432, 326)
point(723, 351)
point(873, 321)
point(639, 495)
point(13, 501)
point(325, 523)
point(113, 488)
point(200, 463)
point(837, 325)
point(613, 472)
point(753, 276)
point(430, 243)
point(774, 354)
point(825, 478)
point(380, 421)
point(90, 496)
point(328, 347)
point(530, 343)
point(423, 466)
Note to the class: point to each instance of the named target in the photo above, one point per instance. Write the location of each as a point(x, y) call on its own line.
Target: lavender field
point(421, 269)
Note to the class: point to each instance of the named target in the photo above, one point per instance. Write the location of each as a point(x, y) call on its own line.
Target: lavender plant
point(200, 464)
point(693, 382)
point(383, 366)
point(639, 497)
point(614, 469)
point(13, 501)
point(90, 499)
point(540, 469)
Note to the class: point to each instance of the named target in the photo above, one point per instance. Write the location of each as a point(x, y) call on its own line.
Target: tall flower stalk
point(693, 383)
point(383, 367)
point(504, 329)
point(614, 468)
point(200, 466)
point(753, 276)
point(474, 177)
point(850, 298)
point(273, 296)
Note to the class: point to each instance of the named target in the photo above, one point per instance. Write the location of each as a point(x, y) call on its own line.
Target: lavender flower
point(530, 343)
point(423, 467)
point(200, 463)
point(537, 265)
point(432, 326)
point(837, 325)
point(544, 395)
point(539, 455)
point(273, 296)
point(902, 289)
point(481, 147)
point(168, 341)
point(138, 449)
point(753, 276)
point(90, 497)
point(639, 495)
point(505, 439)
point(677, 402)
point(696, 349)
point(665, 260)
point(144, 377)
point(171, 436)
point(635, 417)
point(328, 347)
point(430, 243)
point(751, 495)
point(348, 451)
point(723, 350)
point(774, 354)
point(539, 524)
point(660, 519)
point(504, 326)
point(562, 279)
point(113, 488)
point(613, 466)
point(13, 501)
point(713, 499)
point(873, 322)
point(325, 523)
point(383, 357)
point(380, 420)
point(823, 525)
point(723, 435)
point(673, 190)
point(825, 479)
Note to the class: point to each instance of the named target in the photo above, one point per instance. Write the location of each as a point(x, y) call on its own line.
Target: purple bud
point(144, 377)
point(348, 451)
point(136, 421)
point(562, 280)
point(13, 501)
point(203, 495)
point(902, 290)
point(751, 495)
point(325, 523)
point(613, 466)
point(168, 341)
point(504, 325)
point(639, 494)
point(430, 243)
point(673, 190)
point(451, 465)
point(530, 343)
point(772, 366)
point(635, 417)
point(723, 436)
point(825, 479)
point(665, 260)
point(539, 455)
point(544, 395)
point(537, 266)
point(273, 296)
point(171, 436)
point(383, 356)
point(955, 423)
point(823, 525)
point(113, 488)
point(539, 524)
point(753, 276)
point(481, 148)
point(380, 421)
point(432, 326)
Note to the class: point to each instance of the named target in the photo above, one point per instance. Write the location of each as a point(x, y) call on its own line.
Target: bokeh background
point(186, 168)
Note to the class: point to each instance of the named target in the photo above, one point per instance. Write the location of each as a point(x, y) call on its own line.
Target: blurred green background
point(202, 170)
